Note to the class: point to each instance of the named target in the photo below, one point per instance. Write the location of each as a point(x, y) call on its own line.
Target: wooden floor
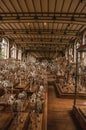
point(59, 113)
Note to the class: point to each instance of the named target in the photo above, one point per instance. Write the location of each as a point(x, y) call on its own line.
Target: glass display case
point(23, 88)
point(79, 108)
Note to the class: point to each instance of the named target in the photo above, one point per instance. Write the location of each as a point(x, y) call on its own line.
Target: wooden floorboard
point(59, 113)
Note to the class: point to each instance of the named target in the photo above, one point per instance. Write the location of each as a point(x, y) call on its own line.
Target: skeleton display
point(14, 73)
point(67, 73)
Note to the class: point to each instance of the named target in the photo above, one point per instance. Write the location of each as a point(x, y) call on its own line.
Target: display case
point(23, 88)
point(65, 79)
point(79, 108)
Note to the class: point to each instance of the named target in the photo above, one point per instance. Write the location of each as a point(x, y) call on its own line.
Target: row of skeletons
point(14, 72)
point(68, 71)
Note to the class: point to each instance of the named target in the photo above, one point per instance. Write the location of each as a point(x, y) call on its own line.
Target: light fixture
point(45, 23)
point(28, 24)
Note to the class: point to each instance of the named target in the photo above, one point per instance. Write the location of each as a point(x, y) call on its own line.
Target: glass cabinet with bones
point(79, 108)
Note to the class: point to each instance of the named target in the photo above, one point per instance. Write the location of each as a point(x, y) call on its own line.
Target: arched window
point(79, 54)
point(4, 48)
point(76, 46)
point(83, 53)
point(13, 52)
point(19, 54)
point(84, 38)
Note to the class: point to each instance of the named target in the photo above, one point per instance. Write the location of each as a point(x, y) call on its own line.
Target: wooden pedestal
point(20, 123)
point(5, 120)
point(80, 117)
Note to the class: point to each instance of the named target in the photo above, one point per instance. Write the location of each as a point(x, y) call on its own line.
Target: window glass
point(19, 54)
point(13, 52)
point(4, 48)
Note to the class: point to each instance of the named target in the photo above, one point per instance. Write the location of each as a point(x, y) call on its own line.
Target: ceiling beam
point(41, 39)
point(25, 17)
point(41, 51)
point(64, 21)
point(27, 43)
point(46, 43)
point(40, 13)
point(43, 45)
point(36, 35)
point(37, 31)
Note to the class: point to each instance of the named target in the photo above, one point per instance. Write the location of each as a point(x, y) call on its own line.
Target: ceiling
point(42, 27)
